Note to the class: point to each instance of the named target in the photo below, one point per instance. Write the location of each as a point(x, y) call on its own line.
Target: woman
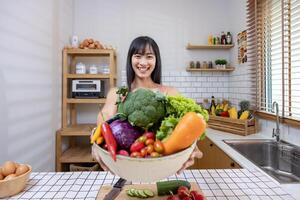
point(143, 69)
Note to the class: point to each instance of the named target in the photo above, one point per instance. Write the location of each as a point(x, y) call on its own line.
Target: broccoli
point(143, 108)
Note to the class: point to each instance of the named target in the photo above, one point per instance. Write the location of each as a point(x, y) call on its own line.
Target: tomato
point(142, 139)
point(196, 196)
point(123, 152)
point(154, 154)
point(172, 197)
point(137, 146)
point(149, 135)
point(135, 154)
point(149, 141)
point(183, 191)
point(158, 146)
point(150, 148)
point(186, 198)
point(144, 152)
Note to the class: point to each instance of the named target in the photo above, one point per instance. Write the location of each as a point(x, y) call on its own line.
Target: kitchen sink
point(279, 159)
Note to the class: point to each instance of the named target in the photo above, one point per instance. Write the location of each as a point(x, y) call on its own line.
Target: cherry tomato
point(150, 148)
point(154, 154)
point(196, 196)
point(149, 141)
point(172, 197)
point(136, 146)
point(183, 191)
point(158, 146)
point(149, 135)
point(144, 152)
point(135, 154)
point(142, 139)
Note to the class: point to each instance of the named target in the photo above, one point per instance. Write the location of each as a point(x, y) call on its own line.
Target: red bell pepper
point(109, 140)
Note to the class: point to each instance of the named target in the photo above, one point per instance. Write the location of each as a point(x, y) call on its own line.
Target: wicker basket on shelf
point(84, 167)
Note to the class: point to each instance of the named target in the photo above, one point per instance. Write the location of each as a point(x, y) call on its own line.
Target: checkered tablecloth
point(215, 184)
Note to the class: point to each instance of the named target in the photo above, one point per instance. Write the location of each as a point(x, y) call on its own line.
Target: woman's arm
point(110, 108)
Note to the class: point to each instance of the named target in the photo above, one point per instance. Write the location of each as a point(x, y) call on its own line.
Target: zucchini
point(168, 187)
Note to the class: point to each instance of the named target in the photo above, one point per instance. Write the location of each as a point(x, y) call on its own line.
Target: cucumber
point(166, 187)
point(148, 192)
point(142, 194)
point(130, 193)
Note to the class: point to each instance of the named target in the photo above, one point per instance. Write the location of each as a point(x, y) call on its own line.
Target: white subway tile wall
point(196, 85)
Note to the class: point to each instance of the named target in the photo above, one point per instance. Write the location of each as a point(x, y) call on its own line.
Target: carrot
point(190, 127)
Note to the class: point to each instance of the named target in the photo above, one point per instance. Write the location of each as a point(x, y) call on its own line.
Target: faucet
point(276, 132)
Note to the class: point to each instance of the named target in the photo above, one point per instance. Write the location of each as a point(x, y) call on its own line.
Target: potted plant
point(221, 63)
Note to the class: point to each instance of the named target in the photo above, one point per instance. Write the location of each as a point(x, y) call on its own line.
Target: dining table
point(214, 183)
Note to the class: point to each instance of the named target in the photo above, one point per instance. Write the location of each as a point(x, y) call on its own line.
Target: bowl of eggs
point(13, 178)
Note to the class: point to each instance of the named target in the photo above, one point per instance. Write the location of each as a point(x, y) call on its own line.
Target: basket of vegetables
point(151, 136)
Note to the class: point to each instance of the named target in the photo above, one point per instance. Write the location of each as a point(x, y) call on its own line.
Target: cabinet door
point(213, 157)
point(207, 161)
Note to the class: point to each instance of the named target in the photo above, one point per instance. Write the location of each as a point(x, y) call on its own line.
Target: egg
point(21, 169)
point(9, 177)
point(8, 168)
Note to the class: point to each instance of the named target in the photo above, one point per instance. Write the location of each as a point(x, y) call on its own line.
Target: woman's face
point(143, 64)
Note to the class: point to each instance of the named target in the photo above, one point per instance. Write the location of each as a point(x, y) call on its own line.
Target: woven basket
point(84, 167)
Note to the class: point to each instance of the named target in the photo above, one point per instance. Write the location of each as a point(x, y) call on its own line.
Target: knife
point(117, 188)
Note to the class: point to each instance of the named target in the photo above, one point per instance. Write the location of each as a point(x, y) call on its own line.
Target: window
point(274, 49)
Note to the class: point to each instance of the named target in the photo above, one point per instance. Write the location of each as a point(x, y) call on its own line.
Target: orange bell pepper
point(190, 127)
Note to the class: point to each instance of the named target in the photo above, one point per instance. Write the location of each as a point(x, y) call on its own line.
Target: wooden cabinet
point(209, 47)
point(213, 157)
point(76, 148)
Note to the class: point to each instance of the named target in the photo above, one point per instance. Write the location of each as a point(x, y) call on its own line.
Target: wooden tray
point(235, 126)
point(123, 196)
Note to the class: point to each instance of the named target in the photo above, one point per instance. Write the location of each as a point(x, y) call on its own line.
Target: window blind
point(273, 27)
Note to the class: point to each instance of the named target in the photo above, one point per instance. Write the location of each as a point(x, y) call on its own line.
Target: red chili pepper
point(109, 139)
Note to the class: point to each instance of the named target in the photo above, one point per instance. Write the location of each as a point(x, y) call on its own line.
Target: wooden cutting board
point(123, 196)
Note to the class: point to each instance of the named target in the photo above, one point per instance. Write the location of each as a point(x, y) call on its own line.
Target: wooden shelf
point(77, 130)
point(97, 101)
point(89, 52)
point(88, 76)
point(228, 69)
point(78, 154)
point(191, 46)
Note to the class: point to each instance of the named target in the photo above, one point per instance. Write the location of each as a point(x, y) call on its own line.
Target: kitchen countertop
point(217, 137)
point(215, 184)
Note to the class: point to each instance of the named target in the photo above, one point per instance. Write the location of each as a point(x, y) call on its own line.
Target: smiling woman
point(143, 68)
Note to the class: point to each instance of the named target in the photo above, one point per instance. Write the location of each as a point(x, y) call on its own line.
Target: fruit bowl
point(15, 185)
point(145, 169)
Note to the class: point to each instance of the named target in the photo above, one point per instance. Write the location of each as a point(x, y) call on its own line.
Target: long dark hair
point(139, 45)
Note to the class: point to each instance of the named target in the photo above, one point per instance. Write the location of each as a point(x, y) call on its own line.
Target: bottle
point(228, 38)
point(223, 38)
point(212, 108)
point(198, 65)
point(210, 39)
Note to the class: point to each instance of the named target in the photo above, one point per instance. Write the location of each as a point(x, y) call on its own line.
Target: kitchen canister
point(80, 68)
point(93, 69)
point(74, 41)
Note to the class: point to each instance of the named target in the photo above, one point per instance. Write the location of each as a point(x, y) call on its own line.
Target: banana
point(245, 115)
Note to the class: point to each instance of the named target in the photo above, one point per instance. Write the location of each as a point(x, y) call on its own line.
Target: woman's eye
point(137, 56)
point(150, 57)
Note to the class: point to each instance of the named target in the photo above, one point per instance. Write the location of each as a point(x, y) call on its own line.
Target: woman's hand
point(195, 154)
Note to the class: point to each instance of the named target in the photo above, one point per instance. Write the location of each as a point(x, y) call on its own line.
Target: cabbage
point(124, 133)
